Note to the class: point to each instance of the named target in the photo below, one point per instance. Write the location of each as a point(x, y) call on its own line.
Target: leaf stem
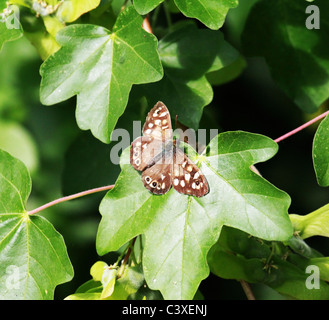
point(71, 197)
point(247, 290)
point(301, 127)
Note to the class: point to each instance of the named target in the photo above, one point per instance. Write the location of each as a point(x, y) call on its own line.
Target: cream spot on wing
point(163, 185)
point(176, 181)
point(189, 168)
point(162, 176)
point(157, 122)
point(138, 144)
point(196, 176)
point(193, 185)
point(163, 114)
point(187, 176)
point(164, 122)
point(151, 125)
point(148, 131)
point(182, 183)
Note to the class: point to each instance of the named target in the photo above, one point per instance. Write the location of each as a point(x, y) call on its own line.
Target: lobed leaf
point(179, 229)
point(33, 255)
point(96, 65)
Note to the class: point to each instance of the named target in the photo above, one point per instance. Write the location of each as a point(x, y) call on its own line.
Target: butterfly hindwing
point(187, 178)
point(157, 178)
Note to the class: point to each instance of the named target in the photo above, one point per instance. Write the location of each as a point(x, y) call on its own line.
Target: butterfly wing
point(157, 178)
point(146, 150)
point(187, 178)
point(158, 123)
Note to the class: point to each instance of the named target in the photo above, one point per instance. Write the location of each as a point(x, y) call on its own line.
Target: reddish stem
point(301, 127)
point(73, 196)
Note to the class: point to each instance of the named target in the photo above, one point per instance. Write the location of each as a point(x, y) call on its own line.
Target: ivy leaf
point(212, 13)
point(321, 153)
point(97, 65)
point(187, 55)
point(297, 57)
point(10, 27)
point(33, 255)
point(179, 229)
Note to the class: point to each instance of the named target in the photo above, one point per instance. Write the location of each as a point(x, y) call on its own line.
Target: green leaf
point(10, 27)
point(145, 6)
point(71, 10)
point(18, 142)
point(180, 229)
point(212, 13)
point(96, 65)
point(97, 270)
point(187, 55)
point(228, 73)
point(33, 255)
point(238, 256)
point(130, 281)
point(108, 281)
point(321, 153)
point(297, 57)
point(315, 223)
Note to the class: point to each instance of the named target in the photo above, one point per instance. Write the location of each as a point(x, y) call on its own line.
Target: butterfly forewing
point(143, 151)
point(157, 178)
point(146, 150)
point(158, 123)
point(187, 178)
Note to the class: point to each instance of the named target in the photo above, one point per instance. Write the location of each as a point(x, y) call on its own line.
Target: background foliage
point(74, 70)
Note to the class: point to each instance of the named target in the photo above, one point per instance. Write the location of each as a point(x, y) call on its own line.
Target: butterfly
point(162, 163)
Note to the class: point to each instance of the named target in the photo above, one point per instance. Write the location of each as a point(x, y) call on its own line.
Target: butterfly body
point(162, 163)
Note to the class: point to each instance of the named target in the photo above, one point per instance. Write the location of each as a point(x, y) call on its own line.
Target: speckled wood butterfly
point(162, 163)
